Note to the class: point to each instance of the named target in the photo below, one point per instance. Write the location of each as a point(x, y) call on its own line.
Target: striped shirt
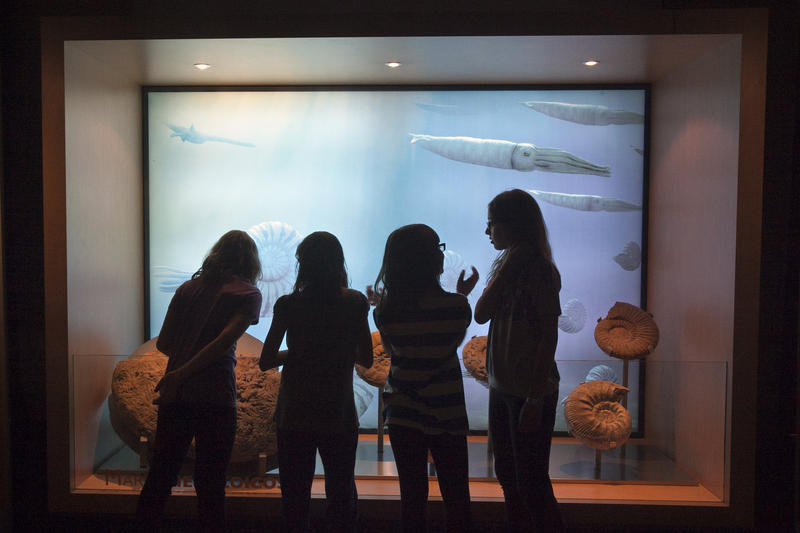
point(424, 389)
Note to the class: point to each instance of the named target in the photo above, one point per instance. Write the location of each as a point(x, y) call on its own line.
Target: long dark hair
point(321, 269)
point(412, 264)
point(520, 213)
point(234, 254)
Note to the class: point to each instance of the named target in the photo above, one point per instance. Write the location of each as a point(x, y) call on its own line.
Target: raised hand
point(465, 286)
point(374, 296)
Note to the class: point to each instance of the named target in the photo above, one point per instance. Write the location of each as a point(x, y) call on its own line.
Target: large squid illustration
point(496, 153)
point(591, 115)
point(584, 202)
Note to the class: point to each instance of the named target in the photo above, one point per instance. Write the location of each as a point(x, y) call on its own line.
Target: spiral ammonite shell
point(277, 243)
point(474, 356)
point(627, 332)
point(573, 317)
point(595, 417)
point(376, 374)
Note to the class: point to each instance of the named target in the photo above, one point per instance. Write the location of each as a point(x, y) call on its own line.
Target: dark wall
point(777, 445)
point(22, 212)
point(5, 466)
point(23, 264)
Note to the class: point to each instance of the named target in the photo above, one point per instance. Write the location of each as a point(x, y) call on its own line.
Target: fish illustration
point(584, 202)
point(497, 153)
point(195, 137)
point(588, 114)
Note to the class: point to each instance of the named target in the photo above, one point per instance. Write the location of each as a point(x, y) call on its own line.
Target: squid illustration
point(591, 115)
point(584, 202)
point(496, 153)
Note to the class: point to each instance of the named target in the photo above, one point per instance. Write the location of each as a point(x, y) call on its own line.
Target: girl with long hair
point(521, 300)
point(327, 332)
point(421, 326)
point(205, 318)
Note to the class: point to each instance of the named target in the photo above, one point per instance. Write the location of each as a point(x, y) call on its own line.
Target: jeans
point(297, 453)
point(522, 463)
point(410, 448)
point(213, 428)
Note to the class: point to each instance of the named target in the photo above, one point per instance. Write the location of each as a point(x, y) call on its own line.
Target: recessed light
point(202, 66)
point(590, 62)
point(393, 64)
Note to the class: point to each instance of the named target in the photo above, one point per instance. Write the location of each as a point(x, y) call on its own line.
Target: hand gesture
point(374, 296)
point(465, 286)
point(530, 416)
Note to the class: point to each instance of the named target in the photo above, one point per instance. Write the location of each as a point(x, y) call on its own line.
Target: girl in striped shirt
point(421, 326)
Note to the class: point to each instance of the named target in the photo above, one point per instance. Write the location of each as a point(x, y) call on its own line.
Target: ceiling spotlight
point(590, 62)
point(202, 66)
point(393, 64)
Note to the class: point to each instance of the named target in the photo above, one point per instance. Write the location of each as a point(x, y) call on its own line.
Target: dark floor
point(117, 524)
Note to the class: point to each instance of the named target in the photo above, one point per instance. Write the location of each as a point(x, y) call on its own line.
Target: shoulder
point(188, 290)
point(189, 285)
point(455, 299)
point(451, 298)
point(357, 300)
point(285, 300)
point(445, 303)
point(237, 285)
point(352, 295)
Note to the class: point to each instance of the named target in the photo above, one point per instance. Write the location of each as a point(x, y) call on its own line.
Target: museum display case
point(681, 396)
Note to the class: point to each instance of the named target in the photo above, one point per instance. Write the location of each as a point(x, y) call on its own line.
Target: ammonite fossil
point(376, 374)
point(474, 356)
point(595, 415)
point(627, 332)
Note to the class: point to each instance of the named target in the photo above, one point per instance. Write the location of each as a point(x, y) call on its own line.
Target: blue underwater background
point(286, 163)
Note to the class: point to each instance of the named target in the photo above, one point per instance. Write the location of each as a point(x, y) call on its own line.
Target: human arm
point(271, 356)
point(168, 385)
point(465, 286)
point(374, 295)
point(165, 343)
point(542, 356)
point(364, 349)
point(490, 300)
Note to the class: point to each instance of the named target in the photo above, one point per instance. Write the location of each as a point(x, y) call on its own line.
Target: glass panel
point(572, 372)
point(684, 444)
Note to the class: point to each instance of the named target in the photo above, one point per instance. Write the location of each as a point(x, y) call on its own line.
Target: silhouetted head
point(234, 254)
point(522, 221)
point(412, 262)
point(320, 264)
point(520, 214)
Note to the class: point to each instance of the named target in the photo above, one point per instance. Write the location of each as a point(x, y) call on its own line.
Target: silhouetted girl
point(521, 300)
point(327, 333)
point(421, 326)
point(198, 392)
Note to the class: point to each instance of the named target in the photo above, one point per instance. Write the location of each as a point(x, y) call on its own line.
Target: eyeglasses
point(442, 246)
point(489, 225)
